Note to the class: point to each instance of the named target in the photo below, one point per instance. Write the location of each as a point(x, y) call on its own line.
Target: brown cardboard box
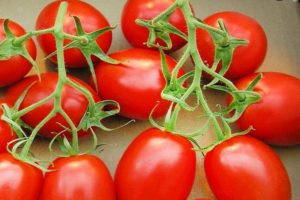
point(281, 21)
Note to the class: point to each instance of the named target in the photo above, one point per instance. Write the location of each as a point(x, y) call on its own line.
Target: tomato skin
point(243, 168)
point(275, 118)
point(74, 103)
point(136, 83)
point(246, 59)
point(16, 67)
point(6, 133)
point(77, 178)
point(91, 20)
point(156, 165)
point(19, 180)
point(137, 35)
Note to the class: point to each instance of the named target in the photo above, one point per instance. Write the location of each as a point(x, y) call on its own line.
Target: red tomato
point(6, 133)
point(81, 177)
point(19, 180)
point(91, 19)
point(137, 35)
point(246, 59)
point(136, 83)
point(16, 67)
point(74, 103)
point(156, 165)
point(275, 118)
point(243, 168)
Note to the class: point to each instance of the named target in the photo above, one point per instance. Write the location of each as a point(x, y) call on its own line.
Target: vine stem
point(199, 67)
point(62, 79)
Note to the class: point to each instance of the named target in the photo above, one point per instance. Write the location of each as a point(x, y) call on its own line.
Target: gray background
point(281, 21)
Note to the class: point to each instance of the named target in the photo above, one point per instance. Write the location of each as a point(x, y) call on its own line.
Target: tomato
point(91, 19)
point(83, 177)
point(243, 168)
point(246, 59)
point(6, 133)
point(73, 102)
point(136, 83)
point(275, 118)
point(156, 165)
point(16, 67)
point(137, 35)
point(19, 180)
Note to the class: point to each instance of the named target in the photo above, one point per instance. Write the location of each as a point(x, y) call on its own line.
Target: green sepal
point(93, 119)
point(225, 45)
point(241, 100)
point(9, 48)
point(160, 30)
point(89, 47)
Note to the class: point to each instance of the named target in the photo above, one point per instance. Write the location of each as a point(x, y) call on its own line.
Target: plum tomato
point(136, 83)
point(80, 177)
point(246, 59)
point(244, 168)
point(91, 19)
point(156, 165)
point(73, 102)
point(137, 35)
point(275, 118)
point(16, 67)
point(19, 180)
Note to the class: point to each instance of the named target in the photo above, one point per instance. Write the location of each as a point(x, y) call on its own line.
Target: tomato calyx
point(87, 44)
point(15, 46)
point(160, 30)
point(225, 44)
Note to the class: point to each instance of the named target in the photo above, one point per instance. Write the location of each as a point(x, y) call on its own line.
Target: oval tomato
point(19, 180)
point(156, 165)
point(91, 20)
point(243, 168)
point(78, 177)
point(137, 35)
point(275, 118)
point(6, 133)
point(16, 67)
point(246, 59)
point(73, 102)
point(136, 83)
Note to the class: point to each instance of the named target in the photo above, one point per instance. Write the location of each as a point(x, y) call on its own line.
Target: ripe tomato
point(156, 165)
point(73, 102)
point(136, 83)
point(91, 19)
point(6, 133)
point(243, 168)
point(16, 67)
point(78, 178)
point(137, 35)
point(19, 180)
point(246, 59)
point(275, 118)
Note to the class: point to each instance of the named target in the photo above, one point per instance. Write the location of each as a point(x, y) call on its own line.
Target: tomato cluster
point(158, 164)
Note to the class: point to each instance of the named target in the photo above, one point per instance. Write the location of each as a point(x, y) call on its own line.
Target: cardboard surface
point(281, 21)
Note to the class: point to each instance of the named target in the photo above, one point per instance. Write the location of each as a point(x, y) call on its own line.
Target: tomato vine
point(95, 111)
point(176, 91)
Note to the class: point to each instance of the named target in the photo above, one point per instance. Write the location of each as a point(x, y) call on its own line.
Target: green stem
point(20, 40)
point(86, 92)
point(166, 13)
point(26, 148)
point(178, 66)
point(24, 111)
point(199, 65)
